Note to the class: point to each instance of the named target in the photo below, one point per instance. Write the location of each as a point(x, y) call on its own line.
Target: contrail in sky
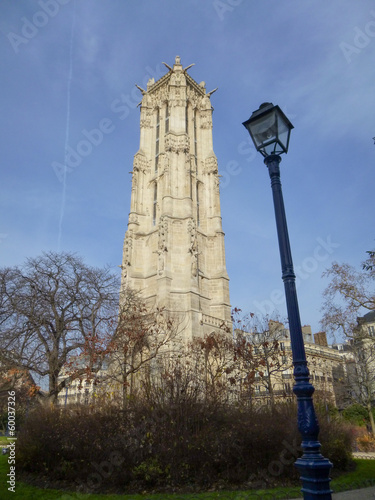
point(62, 209)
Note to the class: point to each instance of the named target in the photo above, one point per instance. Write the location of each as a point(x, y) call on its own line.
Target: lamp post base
point(314, 474)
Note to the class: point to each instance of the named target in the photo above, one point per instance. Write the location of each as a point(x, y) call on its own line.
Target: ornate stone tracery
point(140, 163)
point(128, 245)
point(162, 244)
point(206, 120)
point(177, 143)
point(210, 165)
point(146, 117)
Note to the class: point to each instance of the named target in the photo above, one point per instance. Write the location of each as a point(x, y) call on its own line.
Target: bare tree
point(215, 361)
point(361, 375)
point(261, 347)
point(349, 292)
point(142, 335)
point(52, 309)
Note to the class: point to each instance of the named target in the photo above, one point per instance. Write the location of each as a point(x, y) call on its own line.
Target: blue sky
point(66, 66)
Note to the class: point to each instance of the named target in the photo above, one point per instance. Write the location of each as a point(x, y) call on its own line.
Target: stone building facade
point(174, 245)
point(327, 367)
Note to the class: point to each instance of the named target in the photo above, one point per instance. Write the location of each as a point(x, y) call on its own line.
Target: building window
point(371, 331)
point(186, 120)
point(166, 118)
point(195, 137)
point(282, 346)
point(154, 204)
point(198, 213)
point(157, 139)
point(287, 388)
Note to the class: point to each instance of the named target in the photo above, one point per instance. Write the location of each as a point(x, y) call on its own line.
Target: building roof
point(368, 318)
point(152, 86)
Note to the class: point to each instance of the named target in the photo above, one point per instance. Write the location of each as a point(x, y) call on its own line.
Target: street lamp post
point(270, 130)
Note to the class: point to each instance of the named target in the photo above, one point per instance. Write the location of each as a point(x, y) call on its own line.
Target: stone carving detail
point(194, 259)
point(159, 97)
point(177, 79)
point(206, 119)
point(162, 244)
point(189, 165)
point(128, 245)
point(184, 144)
point(193, 97)
point(179, 102)
point(177, 144)
point(146, 118)
point(170, 144)
point(133, 219)
point(163, 165)
point(193, 248)
point(140, 163)
point(206, 103)
point(210, 165)
point(163, 233)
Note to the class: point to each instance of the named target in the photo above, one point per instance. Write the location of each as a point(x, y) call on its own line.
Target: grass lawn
point(362, 476)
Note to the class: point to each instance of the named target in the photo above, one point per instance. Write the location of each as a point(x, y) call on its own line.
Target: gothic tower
point(174, 246)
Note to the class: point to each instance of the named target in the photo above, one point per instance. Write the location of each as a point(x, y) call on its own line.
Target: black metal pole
point(313, 467)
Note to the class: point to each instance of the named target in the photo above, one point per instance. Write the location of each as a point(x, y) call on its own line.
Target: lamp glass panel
point(270, 148)
point(264, 130)
point(283, 132)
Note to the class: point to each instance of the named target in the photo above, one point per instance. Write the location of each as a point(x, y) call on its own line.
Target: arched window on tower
point(166, 118)
point(198, 202)
point(187, 119)
point(195, 137)
point(155, 204)
point(157, 139)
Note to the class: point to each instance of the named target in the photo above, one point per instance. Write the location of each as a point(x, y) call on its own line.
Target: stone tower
point(174, 246)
